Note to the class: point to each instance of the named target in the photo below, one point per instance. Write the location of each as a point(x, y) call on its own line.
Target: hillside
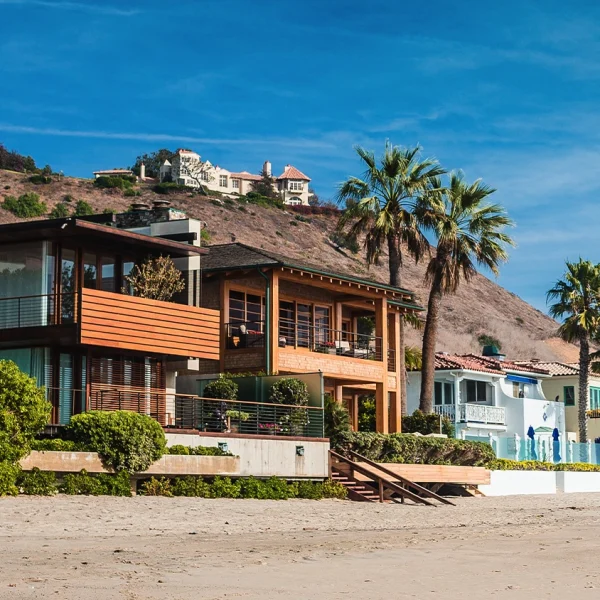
point(482, 307)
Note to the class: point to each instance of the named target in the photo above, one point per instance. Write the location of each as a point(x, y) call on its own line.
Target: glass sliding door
point(304, 317)
point(65, 392)
point(322, 325)
point(68, 283)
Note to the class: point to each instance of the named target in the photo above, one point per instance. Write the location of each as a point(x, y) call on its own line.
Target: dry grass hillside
point(482, 307)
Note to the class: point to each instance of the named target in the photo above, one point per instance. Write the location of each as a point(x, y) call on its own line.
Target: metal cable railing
point(38, 311)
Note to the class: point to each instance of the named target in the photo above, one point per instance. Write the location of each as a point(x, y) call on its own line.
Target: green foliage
point(222, 389)
point(9, 473)
point(345, 240)
point(128, 193)
point(40, 179)
point(120, 183)
point(82, 209)
point(13, 161)
point(223, 487)
point(238, 415)
point(503, 464)
point(289, 391)
point(68, 198)
point(197, 450)
point(309, 490)
point(265, 186)
point(337, 419)
point(109, 211)
point(410, 449)
point(153, 161)
point(37, 483)
point(334, 489)
point(103, 484)
point(205, 237)
point(420, 422)
point(270, 489)
point(367, 414)
point(26, 206)
point(24, 411)
point(261, 200)
point(156, 487)
point(413, 358)
point(193, 487)
point(156, 279)
point(489, 340)
point(60, 211)
point(124, 440)
point(58, 445)
point(168, 187)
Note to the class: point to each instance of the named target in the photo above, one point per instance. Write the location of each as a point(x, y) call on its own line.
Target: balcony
point(474, 413)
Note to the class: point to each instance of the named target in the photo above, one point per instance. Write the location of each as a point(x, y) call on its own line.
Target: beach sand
point(184, 548)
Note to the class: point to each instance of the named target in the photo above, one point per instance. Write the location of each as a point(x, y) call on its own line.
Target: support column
point(273, 329)
point(354, 412)
point(381, 387)
point(224, 293)
point(338, 394)
point(395, 400)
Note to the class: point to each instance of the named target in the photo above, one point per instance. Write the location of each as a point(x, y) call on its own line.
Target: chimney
point(267, 168)
point(142, 171)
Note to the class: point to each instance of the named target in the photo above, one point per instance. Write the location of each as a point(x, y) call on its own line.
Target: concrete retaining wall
point(569, 482)
point(511, 483)
point(267, 456)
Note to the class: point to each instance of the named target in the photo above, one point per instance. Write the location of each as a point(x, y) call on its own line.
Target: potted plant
point(270, 428)
point(326, 347)
point(238, 417)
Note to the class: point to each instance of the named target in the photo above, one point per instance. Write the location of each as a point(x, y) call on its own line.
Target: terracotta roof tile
point(246, 175)
point(484, 364)
point(292, 173)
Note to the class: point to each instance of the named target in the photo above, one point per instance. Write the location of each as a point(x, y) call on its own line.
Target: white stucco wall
point(512, 483)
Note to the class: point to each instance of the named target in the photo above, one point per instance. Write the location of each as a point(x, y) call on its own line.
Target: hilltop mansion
point(188, 169)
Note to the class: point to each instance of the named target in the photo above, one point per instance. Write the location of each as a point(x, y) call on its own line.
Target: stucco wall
point(512, 483)
point(267, 456)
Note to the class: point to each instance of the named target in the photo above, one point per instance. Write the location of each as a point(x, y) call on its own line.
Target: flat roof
point(82, 231)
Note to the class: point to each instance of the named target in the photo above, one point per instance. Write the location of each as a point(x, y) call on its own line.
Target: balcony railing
point(250, 334)
point(473, 413)
point(391, 360)
point(38, 311)
point(319, 338)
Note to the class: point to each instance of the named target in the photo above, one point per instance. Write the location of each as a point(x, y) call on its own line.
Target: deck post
point(381, 387)
point(273, 323)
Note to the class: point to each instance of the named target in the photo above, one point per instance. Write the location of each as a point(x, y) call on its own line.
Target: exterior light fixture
point(224, 446)
point(299, 450)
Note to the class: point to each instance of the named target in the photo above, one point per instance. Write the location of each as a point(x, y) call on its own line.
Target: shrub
point(197, 450)
point(489, 340)
point(68, 198)
point(114, 485)
point(9, 473)
point(194, 487)
point(82, 209)
point(40, 179)
point(128, 193)
point(337, 419)
point(58, 445)
point(420, 422)
point(77, 484)
point(124, 440)
point(7, 187)
point(24, 411)
point(168, 187)
point(156, 487)
point(25, 206)
point(60, 211)
point(346, 241)
point(334, 489)
point(205, 237)
point(251, 487)
point(223, 487)
point(503, 464)
point(120, 183)
point(410, 449)
point(309, 490)
point(289, 391)
point(37, 483)
point(221, 389)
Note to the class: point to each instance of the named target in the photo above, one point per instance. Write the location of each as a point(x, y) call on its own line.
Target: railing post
point(380, 490)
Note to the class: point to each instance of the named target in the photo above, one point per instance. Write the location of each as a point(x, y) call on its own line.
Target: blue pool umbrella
point(531, 434)
point(555, 446)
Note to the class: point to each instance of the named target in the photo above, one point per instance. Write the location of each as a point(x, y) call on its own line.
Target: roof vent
point(160, 204)
point(493, 352)
point(139, 206)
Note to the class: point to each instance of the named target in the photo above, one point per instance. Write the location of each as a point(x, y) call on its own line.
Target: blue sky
point(505, 91)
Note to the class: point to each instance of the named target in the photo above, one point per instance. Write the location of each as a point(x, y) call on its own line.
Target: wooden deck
point(438, 474)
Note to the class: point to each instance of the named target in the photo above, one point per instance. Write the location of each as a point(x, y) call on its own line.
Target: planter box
point(512, 483)
point(169, 464)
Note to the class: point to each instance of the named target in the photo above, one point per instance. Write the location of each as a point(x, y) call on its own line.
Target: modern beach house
point(489, 398)
point(288, 316)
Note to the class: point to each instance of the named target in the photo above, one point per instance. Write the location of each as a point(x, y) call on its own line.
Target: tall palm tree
point(380, 206)
point(469, 232)
point(576, 300)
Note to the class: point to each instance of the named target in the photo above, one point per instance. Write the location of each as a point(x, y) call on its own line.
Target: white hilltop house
point(492, 399)
point(188, 169)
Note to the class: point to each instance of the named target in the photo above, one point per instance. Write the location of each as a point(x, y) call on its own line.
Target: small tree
point(60, 211)
point(153, 161)
point(291, 391)
point(156, 279)
point(83, 209)
point(266, 186)
point(222, 389)
point(24, 411)
point(25, 206)
point(337, 420)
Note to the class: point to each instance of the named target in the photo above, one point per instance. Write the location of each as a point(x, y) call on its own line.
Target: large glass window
point(322, 324)
point(90, 270)
point(68, 283)
point(107, 270)
point(443, 393)
point(477, 391)
point(245, 308)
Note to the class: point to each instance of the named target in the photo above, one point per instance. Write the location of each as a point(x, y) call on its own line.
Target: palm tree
point(469, 232)
point(381, 205)
point(577, 300)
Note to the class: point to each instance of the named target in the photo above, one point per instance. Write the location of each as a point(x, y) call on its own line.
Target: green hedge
point(58, 445)
point(503, 464)
point(197, 450)
point(103, 484)
point(411, 449)
point(9, 473)
point(420, 422)
point(250, 487)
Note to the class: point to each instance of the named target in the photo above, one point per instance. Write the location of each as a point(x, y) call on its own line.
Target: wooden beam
point(274, 318)
point(381, 388)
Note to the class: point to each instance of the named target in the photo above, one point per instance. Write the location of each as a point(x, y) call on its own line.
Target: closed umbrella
point(555, 446)
point(531, 435)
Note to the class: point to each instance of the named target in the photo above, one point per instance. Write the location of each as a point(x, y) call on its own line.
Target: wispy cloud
point(101, 9)
point(165, 137)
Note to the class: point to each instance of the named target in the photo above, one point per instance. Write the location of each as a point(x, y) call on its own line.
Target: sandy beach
point(180, 548)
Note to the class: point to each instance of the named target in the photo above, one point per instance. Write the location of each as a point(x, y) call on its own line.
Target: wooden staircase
point(381, 484)
point(358, 491)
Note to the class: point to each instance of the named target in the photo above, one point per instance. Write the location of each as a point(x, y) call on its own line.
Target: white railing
point(477, 413)
point(446, 410)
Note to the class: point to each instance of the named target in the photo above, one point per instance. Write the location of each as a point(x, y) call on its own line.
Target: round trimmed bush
point(125, 441)
point(289, 391)
point(222, 389)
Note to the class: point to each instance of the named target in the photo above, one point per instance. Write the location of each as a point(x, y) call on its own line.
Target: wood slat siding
point(437, 473)
point(129, 323)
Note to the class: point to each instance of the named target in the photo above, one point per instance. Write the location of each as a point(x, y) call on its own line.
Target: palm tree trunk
point(584, 366)
point(394, 265)
point(429, 342)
